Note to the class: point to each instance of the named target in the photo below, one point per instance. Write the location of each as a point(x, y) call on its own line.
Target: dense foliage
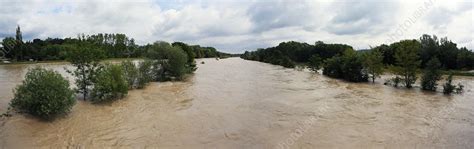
point(404, 58)
point(110, 84)
point(43, 93)
point(431, 75)
point(448, 86)
point(171, 62)
point(407, 61)
point(315, 62)
point(449, 55)
point(112, 45)
point(373, 63)
point(85, 58)
point(347, 66)
point(289, 53)
point(145, 73)
point(130, 72)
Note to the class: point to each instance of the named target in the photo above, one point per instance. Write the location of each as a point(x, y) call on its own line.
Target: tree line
point(113, 45)
point(405, 59)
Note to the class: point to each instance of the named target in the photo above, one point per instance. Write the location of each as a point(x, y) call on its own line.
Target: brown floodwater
point(234, 103)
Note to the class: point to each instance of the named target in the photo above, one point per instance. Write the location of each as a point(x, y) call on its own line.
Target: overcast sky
point(238, 25)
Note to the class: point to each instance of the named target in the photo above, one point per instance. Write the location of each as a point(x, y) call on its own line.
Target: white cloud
point(234, 26)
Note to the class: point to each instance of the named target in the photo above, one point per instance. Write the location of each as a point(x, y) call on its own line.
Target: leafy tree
point(130, 72)
point(407, 61)
point(429, 48)
point(431, 75)
point(86, 59)
point(348, 67)
point(465, 59)
point(333, 67)
point(315, 63)
point(110, 84)
point(373, 63)
point(448, 52)
point(176, 64)
point(352, 67)
point(189, 51)
point(18, 36)
point(170, 62)
point(8, 44)
point(43, 93)
point(190, 64)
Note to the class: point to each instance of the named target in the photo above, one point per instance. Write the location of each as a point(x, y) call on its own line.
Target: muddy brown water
point(233, 103)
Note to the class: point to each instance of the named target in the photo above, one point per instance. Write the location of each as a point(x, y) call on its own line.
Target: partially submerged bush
point(145, 73)
point(348, 67)
point(315, 62)
point(176, 64)
point(44, 93)
point(449, 88)
point(396, 81)
point(431, 75)
point(110, 84)
point(130, 72)
point(460, 88)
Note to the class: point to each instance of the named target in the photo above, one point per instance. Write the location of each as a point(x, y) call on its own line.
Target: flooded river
point(233, 103)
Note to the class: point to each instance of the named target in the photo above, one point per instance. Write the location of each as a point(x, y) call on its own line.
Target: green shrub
point(176, 63)
point(44, 93)
point(448, 87)
point(130, 72)
point(315, 62)
point(332, 67)
point(286, 62)
point(110, 84)
point(431, 75)
point(348, 67)
point(145, 73)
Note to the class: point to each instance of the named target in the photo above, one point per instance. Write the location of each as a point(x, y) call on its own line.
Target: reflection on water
point(233, 103)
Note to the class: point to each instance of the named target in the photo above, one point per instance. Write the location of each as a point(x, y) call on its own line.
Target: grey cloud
point(440, 16)
point(358, 17)
point(268, 15)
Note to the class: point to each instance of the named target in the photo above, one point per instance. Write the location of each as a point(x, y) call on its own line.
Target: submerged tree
point(431, 75)
point(86, 59)
point(448, 86)
point(176, 63)
point(373, 63)
point(348, 67)
point(169, 62)
point(315, 62)
point(407, 61)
